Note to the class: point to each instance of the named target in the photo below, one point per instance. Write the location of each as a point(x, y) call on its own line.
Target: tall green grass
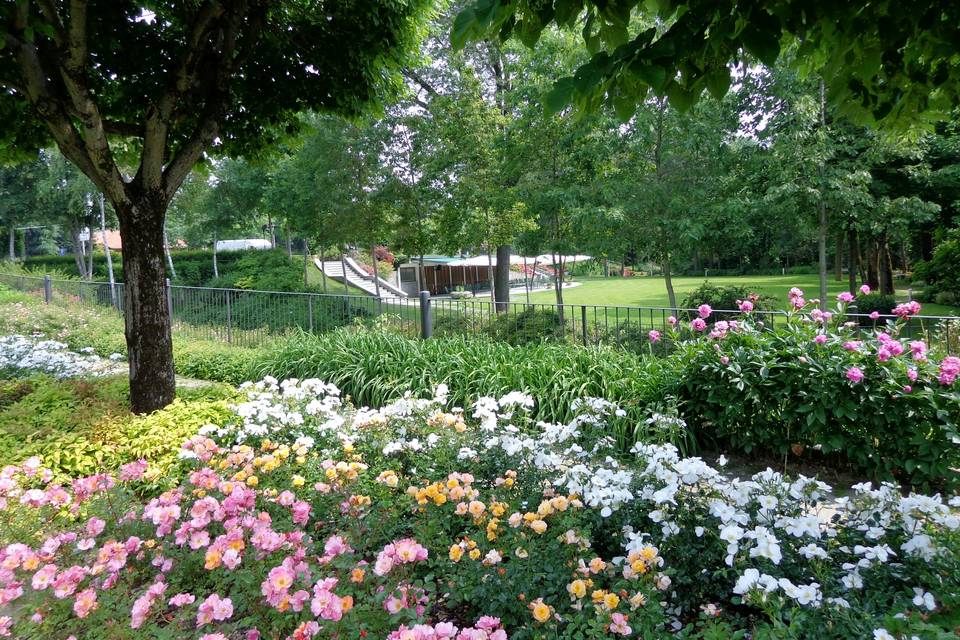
point(376, 367)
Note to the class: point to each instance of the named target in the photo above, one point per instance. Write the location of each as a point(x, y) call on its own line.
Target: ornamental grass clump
point(309, 517)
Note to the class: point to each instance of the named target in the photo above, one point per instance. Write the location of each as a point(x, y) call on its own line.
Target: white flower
point(882, 634)
point(924, 599)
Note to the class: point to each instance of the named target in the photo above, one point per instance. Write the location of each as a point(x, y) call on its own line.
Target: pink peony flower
point(949, 370)
point(745, 306)
point(854, 374)
point(865, 289)
point(820, 338)
point(698, 324)
point(874, 315)
point(919, 350)
point(704, 310)
point(672, 321)
point(846, 296)
point(653, 335)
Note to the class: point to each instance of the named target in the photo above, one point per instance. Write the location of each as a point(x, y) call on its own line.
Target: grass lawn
point(651, 292)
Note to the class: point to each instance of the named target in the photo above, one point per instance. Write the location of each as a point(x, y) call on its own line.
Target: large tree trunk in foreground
point(147, 317)
point(501, 279)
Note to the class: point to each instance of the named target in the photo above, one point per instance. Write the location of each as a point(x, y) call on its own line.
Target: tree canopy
point(885, 62)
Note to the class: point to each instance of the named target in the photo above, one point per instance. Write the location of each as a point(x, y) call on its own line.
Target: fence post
point(310, 311)
point(229, 319)
point(426, 319)
point(169, 300)
point(47, 289)
point(583, 322)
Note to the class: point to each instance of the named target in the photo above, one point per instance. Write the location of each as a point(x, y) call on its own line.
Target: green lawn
point(651, 292)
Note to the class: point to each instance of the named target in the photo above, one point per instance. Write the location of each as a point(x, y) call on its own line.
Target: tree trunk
point(853, 262)
point(822, 207)
point(216, 268)
point(323, 255)
point(106, 250)
point(491, 277)
point(886, 268)
point(12, 243)
point(421, 277)
point(78, 253)
point(89, 255)
point(376, 270)
point(166, 251)
point(838, 258)
point(286, 231)
point(558, 285)
point(873, 267)
point(606, 268)
point(343, 268)
point(147, 316)
point(306, 261)
point(502, 278)
point(623, 267)
point(668, 280)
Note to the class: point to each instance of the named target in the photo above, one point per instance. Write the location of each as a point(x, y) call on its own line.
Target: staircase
point(357, 277)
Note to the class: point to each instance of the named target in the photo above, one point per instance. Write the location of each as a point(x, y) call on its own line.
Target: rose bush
point(308, 517)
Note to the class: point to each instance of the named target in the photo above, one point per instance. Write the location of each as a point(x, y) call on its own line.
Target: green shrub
point(779, 391)
point(722, 298)
point(941, 272)
point(529, 327)
point(881, 303)
point(80, 427)
point(215, 361)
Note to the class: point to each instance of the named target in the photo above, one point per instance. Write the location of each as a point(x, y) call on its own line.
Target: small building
point(444, 274)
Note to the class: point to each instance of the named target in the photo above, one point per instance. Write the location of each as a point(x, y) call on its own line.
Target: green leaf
point(653, 75)
point(680, 97)
point(558, 98)
point(763, 43)
point(463, 27)
point(624, 107)
point(718, 82)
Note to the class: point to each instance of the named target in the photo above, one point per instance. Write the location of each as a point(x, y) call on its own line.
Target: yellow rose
point(456, 552)
point(252, 481)
point(577, 588)
point(474, 554)
point(541, 610)
point(611, 600)
point(539, 526)
point(298, 481)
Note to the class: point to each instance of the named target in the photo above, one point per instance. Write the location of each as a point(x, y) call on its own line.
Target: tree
point(134, 93)
point(65, 198)
point(885, 61)
point(18, 194)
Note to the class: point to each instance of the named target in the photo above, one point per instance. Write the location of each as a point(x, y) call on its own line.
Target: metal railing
point(249, 318)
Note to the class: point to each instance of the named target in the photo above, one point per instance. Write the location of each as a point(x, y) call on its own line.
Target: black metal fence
point(248, 318)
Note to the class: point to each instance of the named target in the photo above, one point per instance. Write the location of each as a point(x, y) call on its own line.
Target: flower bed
point(307, 517)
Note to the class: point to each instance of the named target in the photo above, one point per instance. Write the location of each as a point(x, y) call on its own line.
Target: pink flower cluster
point(486, 628)
point(949, 370)
point(400, 552)
point(214, 608)
point(911, 308)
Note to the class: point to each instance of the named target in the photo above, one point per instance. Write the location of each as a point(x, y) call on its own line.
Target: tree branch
point(186, 77)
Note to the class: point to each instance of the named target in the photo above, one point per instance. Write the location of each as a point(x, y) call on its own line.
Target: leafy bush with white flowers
point(311, 518)
point(22, 355)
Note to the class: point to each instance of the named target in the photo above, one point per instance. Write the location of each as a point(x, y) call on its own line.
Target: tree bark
point(376, 270)
point(853, 262)
point(502, 278)
point(838, 258)
point(286, 231)
point(216, 269)
point(106, 250)
point(78, 253)
point(89, 255)
point(166, 251)
point(306, 262)
point(12, 243)
point(147, 317)
point(343, 268)
point(886, 268)
point(822, 207)
point(668, 280)
point(323, 271)
point(606, 268)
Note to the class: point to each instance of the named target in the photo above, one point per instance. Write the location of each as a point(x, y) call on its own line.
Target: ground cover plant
point(308, 517)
